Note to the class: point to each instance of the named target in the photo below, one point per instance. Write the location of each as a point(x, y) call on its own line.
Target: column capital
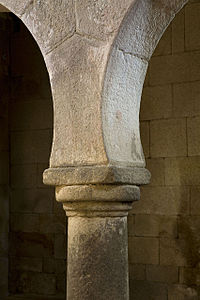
point(97, 200)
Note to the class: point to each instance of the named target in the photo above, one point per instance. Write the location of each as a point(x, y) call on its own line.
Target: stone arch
point(133, 46)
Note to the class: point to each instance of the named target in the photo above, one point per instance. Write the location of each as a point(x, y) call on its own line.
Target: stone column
point(97, 200)
point(97, 240)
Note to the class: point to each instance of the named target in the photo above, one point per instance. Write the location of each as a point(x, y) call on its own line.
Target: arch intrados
point(137, 38)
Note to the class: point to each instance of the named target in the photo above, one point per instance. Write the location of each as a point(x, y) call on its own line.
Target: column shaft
point(97, 258)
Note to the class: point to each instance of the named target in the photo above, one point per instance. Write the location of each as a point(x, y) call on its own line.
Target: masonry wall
point(4, 152)
point(164, 228)
point(37, 249)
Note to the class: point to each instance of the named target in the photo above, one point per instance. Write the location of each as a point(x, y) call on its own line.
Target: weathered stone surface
point(154, 225)
point(168, 138)
point(186, 99)
point(50, 22)
point(76, 72)
point(144, 133)
point(105, 264)
point(182, 171)
point(156, 102)
point(141, 289)
point(18, 7)
point(163, 201)
point(100, 19)
point(173, 252)
point(120, 108)
point(192, 26)
point(96, 175)
point(182, 292)
point(178, 32)
point(144, 250)
point(138, 30)
point(193, 129)
point(97, 200)
point(111, 193)
point(167, 274)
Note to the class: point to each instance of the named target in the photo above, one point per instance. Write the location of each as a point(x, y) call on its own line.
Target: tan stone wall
point(4, 154)
point(164, 231)
point(37, 223)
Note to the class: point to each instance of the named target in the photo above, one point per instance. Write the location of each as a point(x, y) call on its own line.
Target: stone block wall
point(4, 152)
point(37, 250)
point(164, 226)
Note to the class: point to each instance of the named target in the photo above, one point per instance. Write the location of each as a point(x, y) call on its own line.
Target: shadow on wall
point(164, 239)
point(37, 238)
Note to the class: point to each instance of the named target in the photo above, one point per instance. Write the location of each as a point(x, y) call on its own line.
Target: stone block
point(60, 246)
point(186, 99)
point(82, 79)
point(23, 176)
point(58, 210)
point(178, 32)
point(40, 169)
point(182, 292)
point(144, 133)
point(56, 19)
point(164, 46)
point(143, 250)
point(193, 130)
point(182, 171)
point(163, 201)
point(3, 134)
point(100, 19)
point(24, 222)
point(188, 229)
point(4, 167)
point(23, 244)
point(61, 285)
point(131, 225)
point(155, 226)
point(51, 265)
point(173, 252)
point(137, 272)
point(39, 200)
point(26, 264)
point(192, 26)
point(177, 68)
point(22, 282)
point(145, 290)
point(195, 201)
point(3, 244)
point(165, 274)
point(49, 223)
point(156, 102)
point(30, 146)
point(18, 8)
point(156, 166)
point(190, 276)
point(4, 209)
point(31, 115)
point(168, 138)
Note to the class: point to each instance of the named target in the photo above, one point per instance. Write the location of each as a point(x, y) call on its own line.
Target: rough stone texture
point(78, 137)
point(100, 19)
point(50, 22)
point(96, 175)
point(168, 138)
point(18, 7)
point(102, 265)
